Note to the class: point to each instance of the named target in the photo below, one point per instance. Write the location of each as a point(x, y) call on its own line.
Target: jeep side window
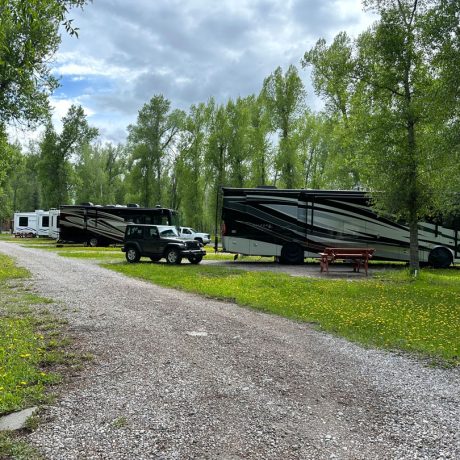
point(152, 232)
point(135, 232)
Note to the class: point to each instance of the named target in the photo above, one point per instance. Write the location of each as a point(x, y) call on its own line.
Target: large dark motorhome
point(294, 224)
point(103, 225)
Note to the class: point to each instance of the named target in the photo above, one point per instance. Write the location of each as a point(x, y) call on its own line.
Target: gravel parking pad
point(178, 376)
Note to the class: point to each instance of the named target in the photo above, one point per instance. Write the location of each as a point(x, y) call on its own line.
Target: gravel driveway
point(177, 376)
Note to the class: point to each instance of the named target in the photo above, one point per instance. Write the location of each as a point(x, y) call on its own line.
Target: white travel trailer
point(53, 231)
point(31, 223)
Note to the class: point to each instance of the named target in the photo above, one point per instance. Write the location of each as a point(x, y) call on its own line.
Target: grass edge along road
point(390, 311)
point(31, 347)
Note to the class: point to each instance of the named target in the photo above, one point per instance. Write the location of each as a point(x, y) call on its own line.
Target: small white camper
point(31, 223)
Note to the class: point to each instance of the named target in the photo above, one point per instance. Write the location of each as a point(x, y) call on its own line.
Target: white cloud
point(188, 51)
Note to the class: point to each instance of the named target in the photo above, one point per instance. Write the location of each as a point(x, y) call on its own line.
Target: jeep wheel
point(173, 256)
point(132, 255)
point(155, 259)
point(195, 259)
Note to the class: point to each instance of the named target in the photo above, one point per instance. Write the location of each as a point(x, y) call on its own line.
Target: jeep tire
point(132, 255)
point(195, 259)
point(173, 256)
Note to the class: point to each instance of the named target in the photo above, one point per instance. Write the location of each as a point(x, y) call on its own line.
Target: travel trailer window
point(45, 221)
point(23, 221)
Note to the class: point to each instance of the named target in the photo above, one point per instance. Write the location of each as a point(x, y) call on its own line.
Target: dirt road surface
point(178, 376)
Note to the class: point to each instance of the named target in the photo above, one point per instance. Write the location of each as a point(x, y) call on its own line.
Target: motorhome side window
point(23, 221)
point(45, 221)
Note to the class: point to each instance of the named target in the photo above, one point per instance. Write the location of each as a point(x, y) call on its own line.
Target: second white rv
point(34, 223)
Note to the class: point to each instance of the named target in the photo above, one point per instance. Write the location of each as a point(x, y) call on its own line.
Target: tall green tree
point(29, 37)
point(56, 171)
point(10, 159)
point(313, 138)
point(23, 185)
point(259, 145)
point(334, 80)
point(216, 158)
point(238, 153)
point(284, 95)
point(151, 139)
point(99, 174)
point(190, 178)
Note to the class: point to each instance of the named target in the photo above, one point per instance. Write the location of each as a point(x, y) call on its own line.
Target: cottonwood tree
point(314, 146)
point(189, 178)
point(333, 78)
point(238, 153)
point(23, 186)
point(216, 159)
point(284, 96)
point(29, 37)
point(56, 171)
point(260, 149)
point(99, 174)
point(150, 141)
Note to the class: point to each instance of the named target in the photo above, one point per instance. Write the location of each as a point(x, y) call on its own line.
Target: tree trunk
point(414, 264)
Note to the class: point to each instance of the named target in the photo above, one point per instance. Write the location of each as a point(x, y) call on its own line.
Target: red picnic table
point(358, 256)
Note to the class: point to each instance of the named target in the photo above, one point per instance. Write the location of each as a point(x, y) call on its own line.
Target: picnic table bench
point(24, 234)
point(358, 256)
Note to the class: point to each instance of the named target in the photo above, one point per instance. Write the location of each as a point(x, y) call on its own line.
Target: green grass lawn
point(28, 342)
point(391, 311)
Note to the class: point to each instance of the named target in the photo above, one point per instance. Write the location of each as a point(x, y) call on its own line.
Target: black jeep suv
point(158, 241)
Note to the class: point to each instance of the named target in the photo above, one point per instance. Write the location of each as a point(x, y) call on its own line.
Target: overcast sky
point(188, 50)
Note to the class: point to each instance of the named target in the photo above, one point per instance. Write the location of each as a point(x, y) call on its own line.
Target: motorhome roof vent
point(132, 205)
point(87, 204)
point(158, 206)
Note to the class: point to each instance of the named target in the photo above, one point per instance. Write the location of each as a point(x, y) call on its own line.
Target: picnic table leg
point(324, 264)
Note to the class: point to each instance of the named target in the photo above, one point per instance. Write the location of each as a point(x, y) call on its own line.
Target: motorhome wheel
point(291, 253)
point(440, 258)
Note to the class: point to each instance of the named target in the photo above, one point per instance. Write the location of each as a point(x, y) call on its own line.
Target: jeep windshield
point(167, 231)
